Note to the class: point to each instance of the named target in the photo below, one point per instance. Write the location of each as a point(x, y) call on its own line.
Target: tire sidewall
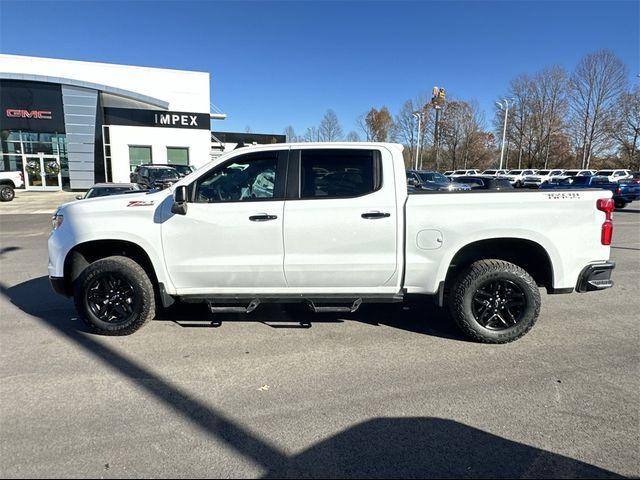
point(469, 283)
point(132, 273)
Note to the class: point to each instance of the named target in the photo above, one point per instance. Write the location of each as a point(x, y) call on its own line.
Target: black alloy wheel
point(499, 304)
point(111, 298)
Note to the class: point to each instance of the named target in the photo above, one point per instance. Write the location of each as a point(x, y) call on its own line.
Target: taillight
point(606, 205)
point(618, 191)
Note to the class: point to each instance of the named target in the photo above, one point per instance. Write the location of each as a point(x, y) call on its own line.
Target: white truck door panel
point(219, 246)
point(334, 240)
point(231, 235)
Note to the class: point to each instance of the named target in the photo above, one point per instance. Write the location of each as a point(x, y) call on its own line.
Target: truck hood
point(116, 203)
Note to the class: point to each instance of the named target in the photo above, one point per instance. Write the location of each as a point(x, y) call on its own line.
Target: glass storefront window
point(138, 155)
point(178, 155)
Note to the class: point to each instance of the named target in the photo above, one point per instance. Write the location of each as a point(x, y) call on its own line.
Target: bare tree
point(625, 128)
point(405, 127)
point(312, 134)
point(290, 133)
point(352, 137)
point(594, 88)
point(330, 129)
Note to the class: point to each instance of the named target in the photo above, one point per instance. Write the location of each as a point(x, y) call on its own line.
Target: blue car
point(623, 193)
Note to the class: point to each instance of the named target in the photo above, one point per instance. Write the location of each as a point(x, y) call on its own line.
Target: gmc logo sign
point(17, 113)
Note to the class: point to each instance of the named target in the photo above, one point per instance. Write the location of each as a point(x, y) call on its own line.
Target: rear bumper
point(596, 276)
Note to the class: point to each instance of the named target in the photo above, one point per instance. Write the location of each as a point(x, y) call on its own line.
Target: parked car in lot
point(635, 178)
point(156, 176)
point(486, 183)
point(427, 180)
point(623, 193)
point(493, 173)
point(107, 188)
point(516, 177)
point(571, 173)
point(459, 173)
point(9, 181)
point(358, 239)
point(540, 177)
point(614, 175)
point(183, 170)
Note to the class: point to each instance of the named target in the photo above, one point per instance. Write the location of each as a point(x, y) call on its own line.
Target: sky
point(278, 64)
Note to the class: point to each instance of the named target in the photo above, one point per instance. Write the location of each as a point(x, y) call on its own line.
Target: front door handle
point(262, 217)
point(372, 215)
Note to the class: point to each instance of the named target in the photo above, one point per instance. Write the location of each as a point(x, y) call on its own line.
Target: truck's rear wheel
point(6, 193)
point(114, 296)
point(494, 301)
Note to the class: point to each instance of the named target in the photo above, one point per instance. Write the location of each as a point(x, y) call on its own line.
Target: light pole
point(504, 131)
point(418, 115)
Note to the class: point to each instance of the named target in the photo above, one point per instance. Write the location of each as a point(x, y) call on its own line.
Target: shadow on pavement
point(8, 249)
point(420, 447)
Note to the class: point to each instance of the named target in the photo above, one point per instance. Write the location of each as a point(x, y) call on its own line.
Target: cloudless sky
point(274, 64)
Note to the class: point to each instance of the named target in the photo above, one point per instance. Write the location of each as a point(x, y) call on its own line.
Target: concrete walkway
point(36, 202)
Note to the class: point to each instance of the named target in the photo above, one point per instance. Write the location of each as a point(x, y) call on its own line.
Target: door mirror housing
point(179, 206)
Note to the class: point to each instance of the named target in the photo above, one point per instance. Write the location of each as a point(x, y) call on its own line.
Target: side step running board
point(214, 308)
point(323, 308)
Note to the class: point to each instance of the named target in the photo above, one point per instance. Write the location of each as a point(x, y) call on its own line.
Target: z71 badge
point(140, 203)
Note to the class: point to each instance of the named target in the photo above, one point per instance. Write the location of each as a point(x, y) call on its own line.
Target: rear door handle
point(372, 215)
point(262, 217)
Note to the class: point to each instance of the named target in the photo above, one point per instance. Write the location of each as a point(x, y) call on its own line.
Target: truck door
point(231, 236)
point(340, 227)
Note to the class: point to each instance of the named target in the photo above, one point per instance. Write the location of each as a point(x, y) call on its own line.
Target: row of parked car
point(144, 177)
point(533, 178)
point(624, 184)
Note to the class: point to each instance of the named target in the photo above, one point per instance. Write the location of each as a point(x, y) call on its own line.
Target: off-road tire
point(7, 193)
point(114, 287)
point(471, 305)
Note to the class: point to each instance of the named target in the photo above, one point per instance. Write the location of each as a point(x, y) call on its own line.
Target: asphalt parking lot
point(385, 392)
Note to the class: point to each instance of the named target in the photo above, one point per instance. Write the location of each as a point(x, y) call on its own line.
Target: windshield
point(605, 172)
point(544, 172)
point(571, 173)
point(164, 173)
point(489, 172)
point(459, 172)
point(575, 181)
point(433, 177)
point(515, 172)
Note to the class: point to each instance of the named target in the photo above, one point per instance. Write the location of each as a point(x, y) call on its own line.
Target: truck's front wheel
point(114, 296)
point(494, 301)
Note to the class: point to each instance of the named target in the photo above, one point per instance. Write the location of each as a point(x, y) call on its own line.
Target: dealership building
point(69, 124)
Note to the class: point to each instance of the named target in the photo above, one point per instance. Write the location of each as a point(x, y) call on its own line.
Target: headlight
point(56, 220)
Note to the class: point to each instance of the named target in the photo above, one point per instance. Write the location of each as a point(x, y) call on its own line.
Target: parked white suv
point(614, 175)
point(516, 177)
point(542, 176)
point(464, 173)
point(493, 173)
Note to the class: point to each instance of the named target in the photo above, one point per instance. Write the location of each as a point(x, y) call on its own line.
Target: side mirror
point(179, 206)
point(79, 197)
point(412, 181)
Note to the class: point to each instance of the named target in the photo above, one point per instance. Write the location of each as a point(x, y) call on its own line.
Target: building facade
point(69, 124)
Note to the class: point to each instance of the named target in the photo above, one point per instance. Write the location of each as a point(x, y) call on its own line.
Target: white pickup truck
point(9, 181)
point(331, 225)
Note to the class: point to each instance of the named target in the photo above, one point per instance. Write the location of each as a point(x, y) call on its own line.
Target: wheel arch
point(527, 254)
point(83, 254)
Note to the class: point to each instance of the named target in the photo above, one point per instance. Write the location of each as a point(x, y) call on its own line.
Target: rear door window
point(326, 173)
